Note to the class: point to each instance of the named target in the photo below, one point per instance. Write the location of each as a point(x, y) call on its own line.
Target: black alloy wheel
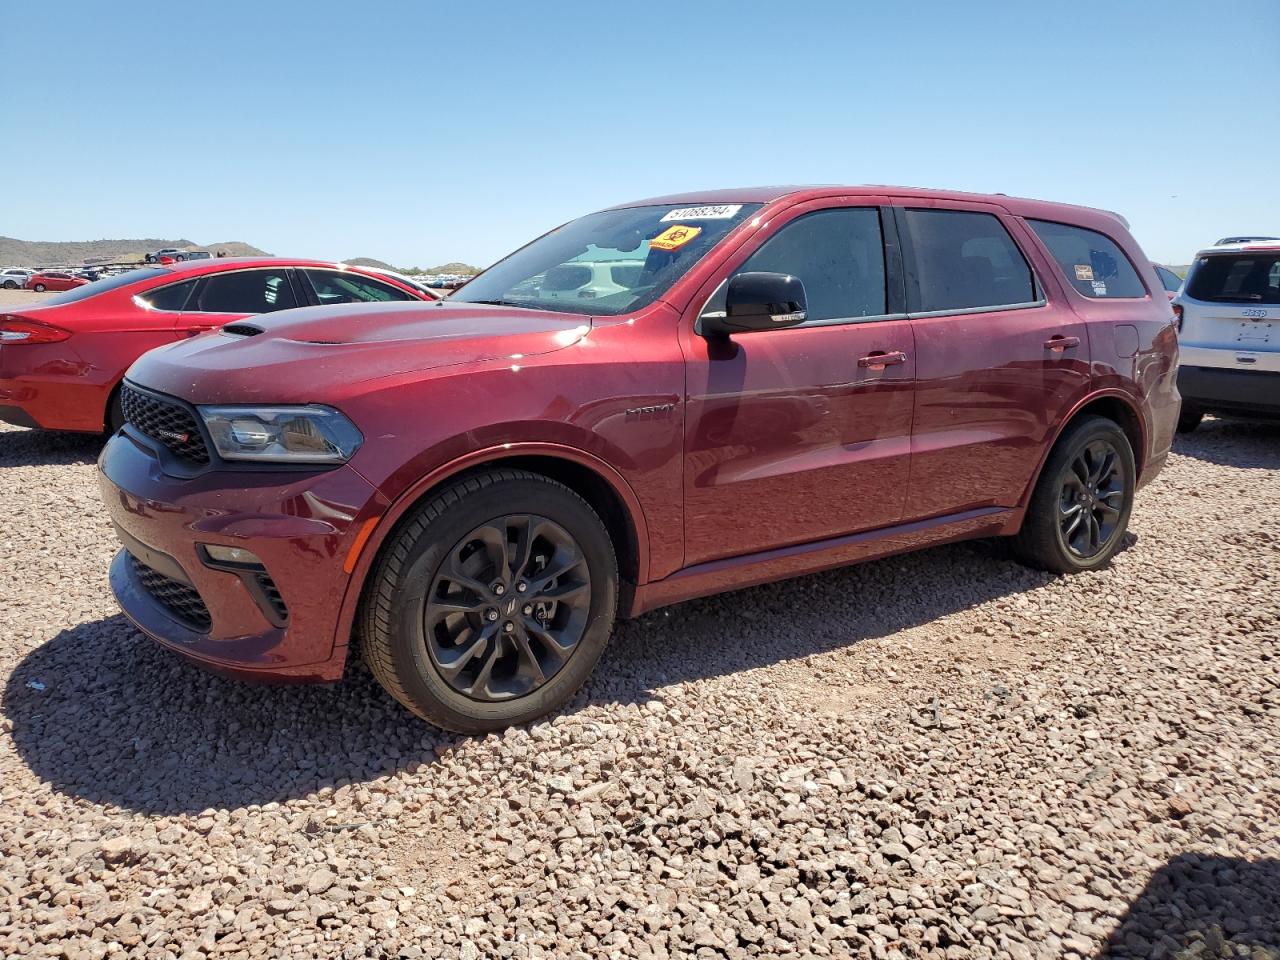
point(491, 601)
point(1079, 510)
point(1091, 498)
point(508, 607)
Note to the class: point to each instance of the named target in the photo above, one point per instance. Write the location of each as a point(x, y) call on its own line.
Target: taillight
point(15, 329)
point(1177, 317)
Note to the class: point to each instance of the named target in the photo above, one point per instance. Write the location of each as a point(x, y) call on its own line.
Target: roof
point(1020, 206)
point(1270, 246)
point(205, 263)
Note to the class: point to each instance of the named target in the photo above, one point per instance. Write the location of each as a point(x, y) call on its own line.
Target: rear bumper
point(1231, 390)
point(300, 525)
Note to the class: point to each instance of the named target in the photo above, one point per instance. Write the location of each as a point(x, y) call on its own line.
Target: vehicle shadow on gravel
point(39, 448)
point(1253, 445)
point(1210, 900)
point(102, 713)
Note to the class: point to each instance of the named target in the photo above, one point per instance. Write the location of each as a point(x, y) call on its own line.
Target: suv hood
point(317, 354)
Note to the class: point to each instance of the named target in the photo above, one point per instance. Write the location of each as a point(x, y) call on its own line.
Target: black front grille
point(178, 598)
point(167, 421)
point(272, 594)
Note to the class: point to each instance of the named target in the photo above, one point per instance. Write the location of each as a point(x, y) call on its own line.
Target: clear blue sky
point(422, 132)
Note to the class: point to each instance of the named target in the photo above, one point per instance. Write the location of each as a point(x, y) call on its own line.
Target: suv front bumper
point(276, 622)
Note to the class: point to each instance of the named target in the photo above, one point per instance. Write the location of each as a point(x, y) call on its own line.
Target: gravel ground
point(941, 755)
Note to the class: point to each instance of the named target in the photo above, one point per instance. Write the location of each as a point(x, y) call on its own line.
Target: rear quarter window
point(1092, 262)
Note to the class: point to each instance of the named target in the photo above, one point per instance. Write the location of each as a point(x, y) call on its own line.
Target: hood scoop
point(242, 329)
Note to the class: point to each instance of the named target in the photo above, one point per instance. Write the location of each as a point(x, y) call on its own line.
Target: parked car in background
point(587, 280)
point(176, 255)
point(15, 277)
point(173, 253)
point(1170, 280)
point(1229, 333)
point(61, 360)
point(785, 380)
point(53, 280)
point(1226, 241)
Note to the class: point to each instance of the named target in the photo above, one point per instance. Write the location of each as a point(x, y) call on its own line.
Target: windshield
point(88, 290)
point(607, 263)
point(1237, 278)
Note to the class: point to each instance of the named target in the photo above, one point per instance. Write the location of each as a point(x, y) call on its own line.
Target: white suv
point(15, 277)
point(1229, 333)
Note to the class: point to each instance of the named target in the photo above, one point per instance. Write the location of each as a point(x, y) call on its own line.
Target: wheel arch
point(1114, 406)
point(595, 481)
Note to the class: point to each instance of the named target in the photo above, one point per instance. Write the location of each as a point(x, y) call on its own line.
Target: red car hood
point(320, 354)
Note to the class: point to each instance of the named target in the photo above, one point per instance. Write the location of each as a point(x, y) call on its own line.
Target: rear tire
point(10, 285)
point(1189, 417)
point(491, 603)
point(38, 288)
point(1082, 501)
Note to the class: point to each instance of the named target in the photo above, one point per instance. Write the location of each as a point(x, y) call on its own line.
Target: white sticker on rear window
point(719, 211)
point(1099, 288)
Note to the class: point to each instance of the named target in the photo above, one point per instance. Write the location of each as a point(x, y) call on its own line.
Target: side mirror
point(757, 301)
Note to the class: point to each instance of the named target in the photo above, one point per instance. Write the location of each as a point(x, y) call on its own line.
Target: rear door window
point(1092, 262)
point(335, 286)
point(244, 291)
point(965, 260)
point(1236, 278)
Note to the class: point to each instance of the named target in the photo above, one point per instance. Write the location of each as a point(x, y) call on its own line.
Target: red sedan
point(61, 360)
point(54, 280)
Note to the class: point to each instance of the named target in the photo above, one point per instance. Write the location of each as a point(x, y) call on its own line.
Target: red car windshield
point(87, 290)
point(607, 263)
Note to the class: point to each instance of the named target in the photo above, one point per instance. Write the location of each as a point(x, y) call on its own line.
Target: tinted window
point(837, 254)
point(627, 276)
point(1169, 279)
point(1092, 263)
point(334, 286)
point(966, 261)
point(244, 291)
point(560, 279)
point(172, 297)
point(1240, 278)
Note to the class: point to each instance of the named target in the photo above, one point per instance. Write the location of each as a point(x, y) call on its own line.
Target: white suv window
point(1236, 278)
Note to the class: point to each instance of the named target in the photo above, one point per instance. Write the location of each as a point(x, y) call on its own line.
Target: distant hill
point(368, 262)
point(454, 267)
point(35, 253)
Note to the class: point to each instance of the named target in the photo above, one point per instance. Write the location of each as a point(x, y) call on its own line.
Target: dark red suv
point(651, 403)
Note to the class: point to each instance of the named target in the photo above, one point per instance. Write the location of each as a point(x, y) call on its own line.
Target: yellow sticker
point(1084, 271)
point(673, 238)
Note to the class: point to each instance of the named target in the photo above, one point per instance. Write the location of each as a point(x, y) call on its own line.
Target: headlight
point(310, 434)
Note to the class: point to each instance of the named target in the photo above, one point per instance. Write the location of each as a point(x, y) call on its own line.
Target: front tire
point(491, 603)
point(1081, 505)
point(38, 288)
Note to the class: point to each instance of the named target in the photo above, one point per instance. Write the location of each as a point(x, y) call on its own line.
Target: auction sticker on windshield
point(719, 211)
point(673, 238)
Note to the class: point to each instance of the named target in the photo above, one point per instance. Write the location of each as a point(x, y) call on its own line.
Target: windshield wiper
point(500, 303)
